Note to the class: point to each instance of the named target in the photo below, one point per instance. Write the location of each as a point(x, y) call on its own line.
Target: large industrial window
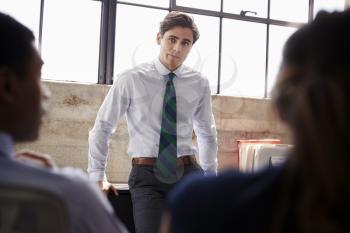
point(70, 40)
point(93, 40)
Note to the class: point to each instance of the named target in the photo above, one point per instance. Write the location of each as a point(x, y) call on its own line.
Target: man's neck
point(171, 69)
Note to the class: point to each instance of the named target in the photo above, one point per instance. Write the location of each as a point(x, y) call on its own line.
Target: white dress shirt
point(139, 93)
point(88, 208)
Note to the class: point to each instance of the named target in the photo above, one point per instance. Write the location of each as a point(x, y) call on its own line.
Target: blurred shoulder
point(227, 184)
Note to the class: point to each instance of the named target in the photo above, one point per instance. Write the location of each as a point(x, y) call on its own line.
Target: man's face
point(28, 109)
point(175, 45)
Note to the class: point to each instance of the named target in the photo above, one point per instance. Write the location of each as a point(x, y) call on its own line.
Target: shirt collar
point(162, 70)
point(6, 145)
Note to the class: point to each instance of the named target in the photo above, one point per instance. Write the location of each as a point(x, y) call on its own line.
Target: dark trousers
point(148, 196)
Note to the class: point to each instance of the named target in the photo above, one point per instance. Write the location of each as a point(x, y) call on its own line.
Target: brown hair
point(174, 19)
point(312, 95)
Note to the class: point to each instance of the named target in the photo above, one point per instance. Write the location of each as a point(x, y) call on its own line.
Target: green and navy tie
point(167, 157)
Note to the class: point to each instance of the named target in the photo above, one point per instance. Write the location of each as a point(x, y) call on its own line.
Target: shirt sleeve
point(112, 109)
point(205, 129)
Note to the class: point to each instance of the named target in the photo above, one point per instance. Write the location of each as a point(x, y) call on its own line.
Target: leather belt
point(183, 160)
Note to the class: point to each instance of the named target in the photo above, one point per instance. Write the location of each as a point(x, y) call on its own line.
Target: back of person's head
point(15, 45)
point(312, 96)
point(179, 19)
point(21, 90)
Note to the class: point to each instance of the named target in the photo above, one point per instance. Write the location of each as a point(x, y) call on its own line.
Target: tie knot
point(171, 76)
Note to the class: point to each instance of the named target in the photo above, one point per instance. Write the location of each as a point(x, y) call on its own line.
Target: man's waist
point(183, 160)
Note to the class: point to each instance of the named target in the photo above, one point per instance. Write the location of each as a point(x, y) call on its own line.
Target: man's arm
point(205, 129)
point(112, 109)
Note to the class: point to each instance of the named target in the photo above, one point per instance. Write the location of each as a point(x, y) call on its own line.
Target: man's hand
point(107, 187)
point(36, 159)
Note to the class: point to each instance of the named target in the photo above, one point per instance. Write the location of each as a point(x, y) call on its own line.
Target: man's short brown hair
point(174, 19)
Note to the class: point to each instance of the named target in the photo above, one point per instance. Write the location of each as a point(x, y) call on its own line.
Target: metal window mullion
point(220, 49)
point(103, 47)
point(111, 41)
point(311, 10)
point(236, 16)
point(142, 5)
point(267, 48)
point(267, 59)
point(172, 4)
point(107, 36)
point(41, 18)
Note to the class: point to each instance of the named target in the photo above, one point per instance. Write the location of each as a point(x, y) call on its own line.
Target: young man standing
point(164, 101)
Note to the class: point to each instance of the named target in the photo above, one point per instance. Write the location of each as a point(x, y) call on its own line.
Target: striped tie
point(167, 157)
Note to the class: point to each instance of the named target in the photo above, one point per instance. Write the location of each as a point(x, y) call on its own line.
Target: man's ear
point(7, 85)
point(159, 38)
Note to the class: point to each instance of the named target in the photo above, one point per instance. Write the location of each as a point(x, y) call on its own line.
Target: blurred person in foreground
point(311, 191)
point(21, 96)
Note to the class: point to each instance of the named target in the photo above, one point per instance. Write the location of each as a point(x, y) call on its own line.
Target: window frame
point(108, 24)
point(108, 33)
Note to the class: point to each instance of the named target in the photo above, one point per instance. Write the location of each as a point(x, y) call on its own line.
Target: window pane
point(204, 55)
point(235, 7)
point(212, 5)
point(243, 59)
point(278, 37)
point(159, 3)
point(136, 42)
point(290, 10)
point(71, 34)
point(334, 5)
point(25, 11)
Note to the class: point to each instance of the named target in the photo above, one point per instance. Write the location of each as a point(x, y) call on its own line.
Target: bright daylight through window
point(239, 48)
